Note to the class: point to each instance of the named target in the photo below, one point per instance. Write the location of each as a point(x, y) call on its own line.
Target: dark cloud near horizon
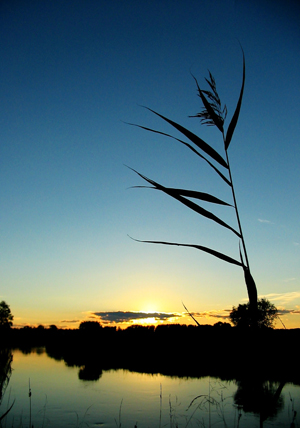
point(288, 311)
point(224, 316)
point(211, 314)
point(121, 316)
point(67, 321)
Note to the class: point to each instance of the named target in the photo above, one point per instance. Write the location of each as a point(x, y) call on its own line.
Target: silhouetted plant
point(212, 114)
point(266, 314)
point(53, 327)
point(221, 324)
point(90, 326)
point(5, 374)
point(260, 397)
point(6, 317)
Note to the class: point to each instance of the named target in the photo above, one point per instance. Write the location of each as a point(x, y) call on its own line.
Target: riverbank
point(174, 350)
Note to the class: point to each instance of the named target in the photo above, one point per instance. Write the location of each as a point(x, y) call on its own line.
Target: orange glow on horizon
point(210, 317)
point(145, 321)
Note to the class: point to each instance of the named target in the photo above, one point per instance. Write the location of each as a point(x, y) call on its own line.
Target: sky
point(73, 74)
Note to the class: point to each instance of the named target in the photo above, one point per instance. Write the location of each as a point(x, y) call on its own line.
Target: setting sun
point(146, 321)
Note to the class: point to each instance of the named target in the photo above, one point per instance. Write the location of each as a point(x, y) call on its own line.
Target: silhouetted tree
point(213, 113)
point(266, 314)
point(221, 324)
point(6, 317)
point(53, 327)
point(91, 372)
point(90, 326)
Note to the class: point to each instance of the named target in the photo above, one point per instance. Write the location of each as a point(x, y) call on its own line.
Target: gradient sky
point(72, 72)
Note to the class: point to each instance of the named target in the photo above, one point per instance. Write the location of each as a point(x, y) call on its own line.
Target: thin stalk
point(29, 394)
point(160, 405)
point(209, 415)
point(236, 211)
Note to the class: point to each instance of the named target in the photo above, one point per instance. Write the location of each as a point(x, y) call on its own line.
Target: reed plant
point(213, 113)
point(6, 358)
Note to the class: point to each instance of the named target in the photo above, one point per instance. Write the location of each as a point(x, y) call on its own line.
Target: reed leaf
point(7, 411)
point(190, 314)
point(195, 139)
point(187, 203)
point(251, 287)
point(215, 253)
point(209, 115)
point(187, 145)
point(235, 117)
point(190, 194)
point(241, 256)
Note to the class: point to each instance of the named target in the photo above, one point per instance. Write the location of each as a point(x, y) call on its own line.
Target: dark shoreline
point(172, 350)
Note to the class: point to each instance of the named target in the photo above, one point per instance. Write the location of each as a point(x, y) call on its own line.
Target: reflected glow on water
point(60, 399)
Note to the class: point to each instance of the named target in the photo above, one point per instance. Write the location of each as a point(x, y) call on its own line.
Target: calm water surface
point(122, 398)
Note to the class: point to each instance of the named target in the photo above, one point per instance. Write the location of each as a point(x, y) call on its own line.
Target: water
point(127, 399)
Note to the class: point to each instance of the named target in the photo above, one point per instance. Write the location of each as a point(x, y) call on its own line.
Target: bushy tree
point(266, 314)
point(53, 327)
point(6, 317)
point(90, 326)
point(221, 324)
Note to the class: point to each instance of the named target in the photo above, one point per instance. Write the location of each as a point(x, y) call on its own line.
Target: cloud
point(128, 316)
point(222, 314)
point(288, 311)
point(283, 297)
point(70, 321)
point(265, 221)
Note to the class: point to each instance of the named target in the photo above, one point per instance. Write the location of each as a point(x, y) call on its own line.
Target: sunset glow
point(146, 321)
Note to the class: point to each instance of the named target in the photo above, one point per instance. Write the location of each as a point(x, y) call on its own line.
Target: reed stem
point(236, 211)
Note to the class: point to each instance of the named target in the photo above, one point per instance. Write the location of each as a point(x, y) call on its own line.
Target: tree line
point(240, 317)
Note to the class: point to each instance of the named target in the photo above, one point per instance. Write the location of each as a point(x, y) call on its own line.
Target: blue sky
point(72, 72)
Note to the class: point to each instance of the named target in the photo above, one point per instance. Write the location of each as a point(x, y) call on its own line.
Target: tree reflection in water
point(90, 372)
point(260, 397)
point(5, 373)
